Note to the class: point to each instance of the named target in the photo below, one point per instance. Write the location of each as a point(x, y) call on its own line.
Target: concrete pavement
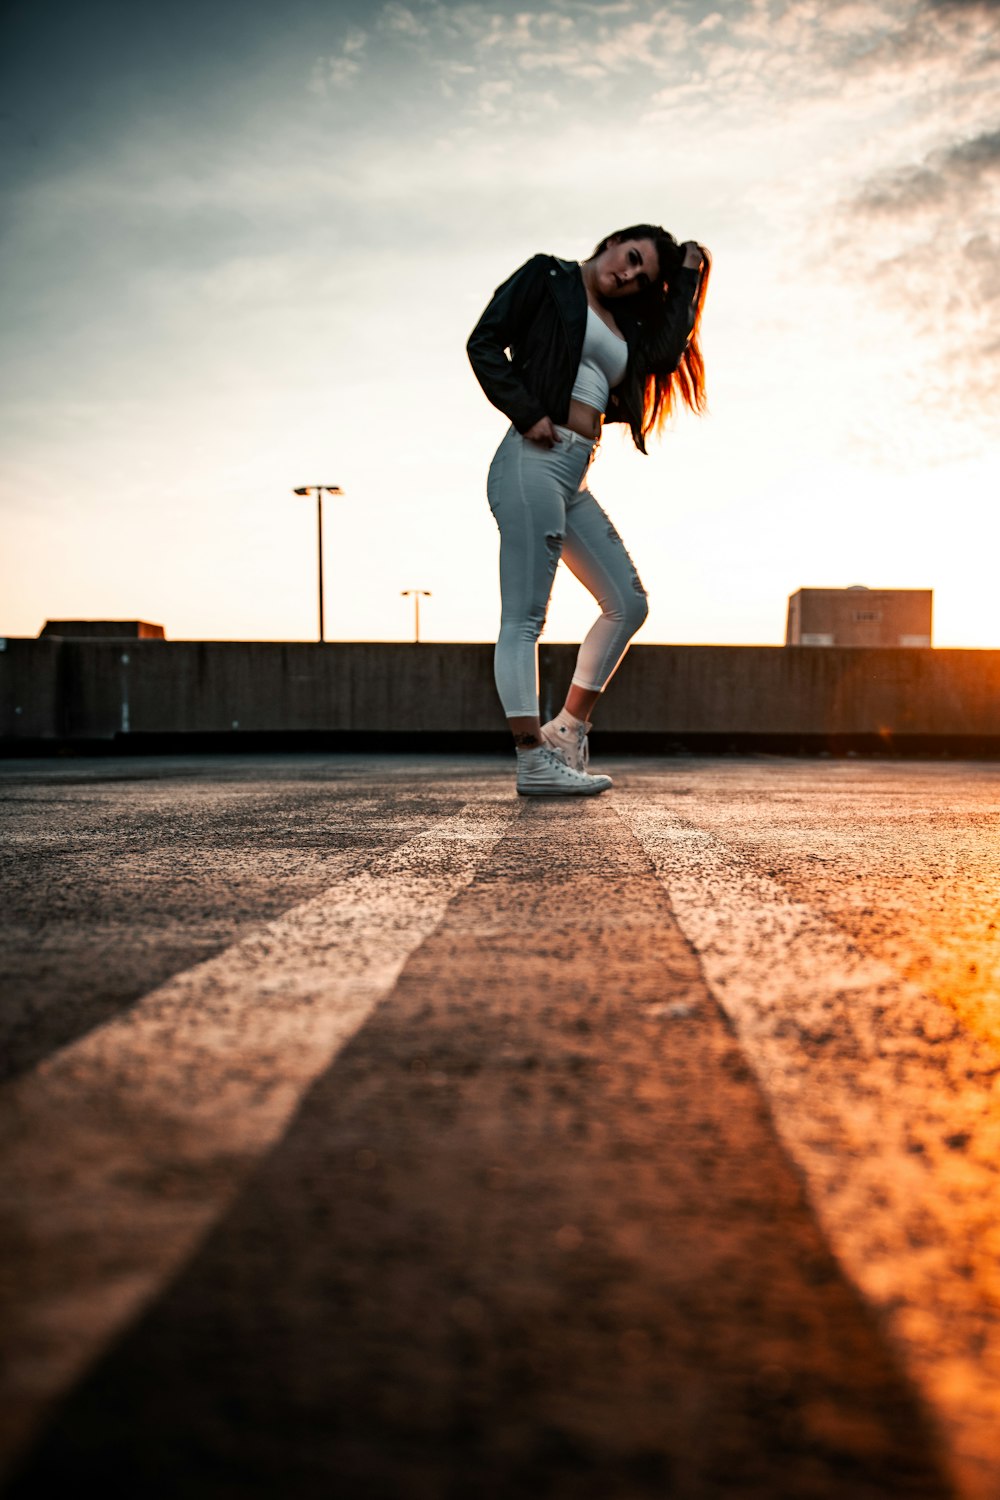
point(367, 1131)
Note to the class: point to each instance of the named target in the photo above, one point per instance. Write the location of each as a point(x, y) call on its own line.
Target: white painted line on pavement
point(886, 1104)
point(121, 1150)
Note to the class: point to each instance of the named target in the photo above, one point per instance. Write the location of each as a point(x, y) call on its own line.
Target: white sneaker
point(569, 741)
point(542, 772)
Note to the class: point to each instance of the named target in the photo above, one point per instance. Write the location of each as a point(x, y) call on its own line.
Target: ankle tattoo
point(527, 741)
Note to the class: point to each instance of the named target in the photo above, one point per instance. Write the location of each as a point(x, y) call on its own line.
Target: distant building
point(860, 616)
point(106, 630)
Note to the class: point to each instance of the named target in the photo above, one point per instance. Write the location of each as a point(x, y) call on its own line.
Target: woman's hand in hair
point(543, 433)
point(694, 255)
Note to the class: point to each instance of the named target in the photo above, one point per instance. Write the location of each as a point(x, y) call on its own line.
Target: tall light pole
point(319, 490)
point(418, 594)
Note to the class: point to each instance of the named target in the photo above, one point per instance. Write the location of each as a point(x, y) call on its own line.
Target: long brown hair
point(661, 393)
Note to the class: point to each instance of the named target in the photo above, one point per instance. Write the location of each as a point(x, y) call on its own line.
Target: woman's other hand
point(694, 255)
point(543, 433)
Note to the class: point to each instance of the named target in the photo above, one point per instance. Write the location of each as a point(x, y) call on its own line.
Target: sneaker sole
point(551, 791)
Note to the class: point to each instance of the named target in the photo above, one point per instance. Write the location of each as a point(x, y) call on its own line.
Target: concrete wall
point(75, 691)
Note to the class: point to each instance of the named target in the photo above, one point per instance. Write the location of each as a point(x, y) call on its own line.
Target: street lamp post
point(319, 490)
point(418, 594)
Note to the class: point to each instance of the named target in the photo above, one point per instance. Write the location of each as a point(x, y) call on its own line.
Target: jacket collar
point(566, 284)
point(566, 280)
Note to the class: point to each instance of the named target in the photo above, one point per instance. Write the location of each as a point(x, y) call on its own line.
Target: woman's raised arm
point(662, 348)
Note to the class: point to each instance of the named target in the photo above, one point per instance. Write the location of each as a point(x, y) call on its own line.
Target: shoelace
point(556, 760)
point(582, 748)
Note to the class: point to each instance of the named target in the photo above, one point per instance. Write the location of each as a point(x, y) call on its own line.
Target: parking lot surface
point(366, 1130)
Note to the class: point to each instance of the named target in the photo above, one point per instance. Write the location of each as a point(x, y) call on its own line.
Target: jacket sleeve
point(504, 321)
point(661, 354)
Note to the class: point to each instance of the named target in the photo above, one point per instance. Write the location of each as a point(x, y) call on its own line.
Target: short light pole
point(418, 594)
point(319, 490)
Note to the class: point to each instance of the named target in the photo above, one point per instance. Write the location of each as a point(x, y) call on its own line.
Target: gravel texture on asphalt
point(116, 874)
point(554, 1220)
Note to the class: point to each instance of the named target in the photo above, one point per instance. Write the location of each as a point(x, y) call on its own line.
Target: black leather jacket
point(540, 316)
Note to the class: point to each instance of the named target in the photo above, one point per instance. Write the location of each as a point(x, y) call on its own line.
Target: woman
point(614, 339)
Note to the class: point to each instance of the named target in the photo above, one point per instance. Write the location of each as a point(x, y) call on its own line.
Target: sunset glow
point(248, 244)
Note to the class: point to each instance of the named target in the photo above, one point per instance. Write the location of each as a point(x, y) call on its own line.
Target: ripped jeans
point(544, 511)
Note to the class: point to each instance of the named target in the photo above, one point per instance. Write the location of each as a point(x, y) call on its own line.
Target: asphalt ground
point(368, 1131)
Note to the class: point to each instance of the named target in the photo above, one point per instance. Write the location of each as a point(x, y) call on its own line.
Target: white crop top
point(602, 363)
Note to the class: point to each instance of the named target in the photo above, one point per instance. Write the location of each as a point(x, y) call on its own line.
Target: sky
point(244, 244)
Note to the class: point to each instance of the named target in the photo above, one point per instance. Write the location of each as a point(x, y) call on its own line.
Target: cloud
point(857, 136)
point(870, 132)
point(950, 177)
point(929, 231)
point(340, 67)
point(986, 7)
point(401, 20)
point(584, 43)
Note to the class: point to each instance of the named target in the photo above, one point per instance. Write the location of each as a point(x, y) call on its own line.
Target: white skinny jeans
point(545, 511)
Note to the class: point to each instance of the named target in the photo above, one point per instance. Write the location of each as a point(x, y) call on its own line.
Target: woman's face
point(625, 267)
